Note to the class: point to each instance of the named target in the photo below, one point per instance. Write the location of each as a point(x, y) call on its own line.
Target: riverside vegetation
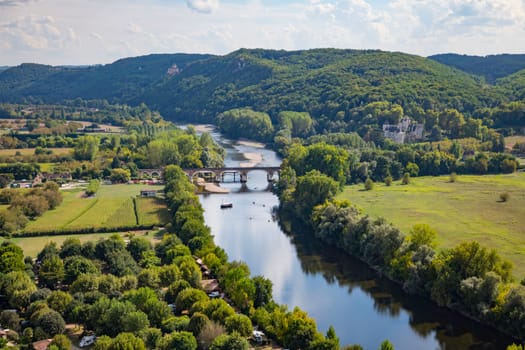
point(123, 292)
point(324, 111)
point(469, 278)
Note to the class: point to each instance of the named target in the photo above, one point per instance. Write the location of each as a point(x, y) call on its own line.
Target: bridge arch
point(241, 172)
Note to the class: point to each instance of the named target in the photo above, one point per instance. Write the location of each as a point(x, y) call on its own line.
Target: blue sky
point(101, 31)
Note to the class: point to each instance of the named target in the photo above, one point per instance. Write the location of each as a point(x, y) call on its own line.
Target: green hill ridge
point(331, 84)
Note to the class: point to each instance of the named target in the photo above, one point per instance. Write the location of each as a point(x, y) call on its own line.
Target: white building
point(404, 131)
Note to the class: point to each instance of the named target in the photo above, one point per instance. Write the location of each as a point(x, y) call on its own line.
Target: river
point(333, 288)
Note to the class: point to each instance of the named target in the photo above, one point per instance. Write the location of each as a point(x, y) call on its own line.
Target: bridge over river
point(231, 174)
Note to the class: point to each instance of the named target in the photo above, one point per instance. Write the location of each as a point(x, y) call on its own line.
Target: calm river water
point(334, 289)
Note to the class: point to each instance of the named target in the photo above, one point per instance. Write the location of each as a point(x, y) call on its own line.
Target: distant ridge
point(490, 67)
point(335, 86)
point(117, 81)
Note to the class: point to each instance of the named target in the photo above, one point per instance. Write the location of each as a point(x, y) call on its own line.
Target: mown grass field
point(31, 151)
point(112, 207)
point(468, 209)
point(151, 211)
point(33, 245)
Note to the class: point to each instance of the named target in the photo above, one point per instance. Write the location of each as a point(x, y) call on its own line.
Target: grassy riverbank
point(465, 210)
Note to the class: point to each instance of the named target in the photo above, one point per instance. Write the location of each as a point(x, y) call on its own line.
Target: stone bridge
point(153, 173)
point(239, 174)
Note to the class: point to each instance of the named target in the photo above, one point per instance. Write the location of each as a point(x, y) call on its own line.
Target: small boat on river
point(226, 205)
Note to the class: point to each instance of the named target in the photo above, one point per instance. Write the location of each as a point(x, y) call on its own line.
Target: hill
point(2, 68)
point(335, 86)
point(116, 81)
point(328, 83)
point(490, 67)
point(514, 84)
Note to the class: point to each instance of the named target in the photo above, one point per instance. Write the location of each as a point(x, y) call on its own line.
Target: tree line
point(469, 278)
point(151, 296)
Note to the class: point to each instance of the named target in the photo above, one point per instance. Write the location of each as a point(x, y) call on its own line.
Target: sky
point(78, 32)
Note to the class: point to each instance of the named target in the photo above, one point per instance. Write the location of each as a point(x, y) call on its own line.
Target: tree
point(84, 283)
point(197, 323)
point(230, 342)
point(106, 246)
point(386, 345)
point(50, 249)
point(369, 184)
point(263, 291)
point(119, 175)
point(18, 287)
point(103, 342)
point(10, 319)
point(422, 234)
point(187, 297)
point(239, 323)
point(86, 148)
point(127, 341)
point(179, 341)
point(70, 247)
point(61, 342)
point(137, 246)
point(406, 179)
point(51, 271)
point(11, 257)
point(328, 159)
point(174, 289)
point(301, 330)
point(51, 323)
point(76, 265)
point(59, 300)
point(218, 310)
point(244, 122)
point(312, 189)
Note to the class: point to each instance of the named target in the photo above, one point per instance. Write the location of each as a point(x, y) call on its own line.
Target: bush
point(92, 187)
point(406, 179)
point(453, 177)
point(388, 180)
point(504, 197)
point(369, 184)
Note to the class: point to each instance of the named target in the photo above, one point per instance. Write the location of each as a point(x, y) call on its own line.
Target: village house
point(404, 132)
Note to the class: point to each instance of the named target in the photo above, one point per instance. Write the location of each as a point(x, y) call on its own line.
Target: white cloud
point(203, 6)
point(14, 2)
point(35, 33)
point(91, 32)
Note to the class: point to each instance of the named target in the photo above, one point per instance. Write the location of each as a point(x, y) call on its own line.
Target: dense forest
point(117, 81)
point(490, 67)
point(332, 85)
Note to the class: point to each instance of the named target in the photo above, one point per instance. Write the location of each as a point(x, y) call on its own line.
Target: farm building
point(148, 193)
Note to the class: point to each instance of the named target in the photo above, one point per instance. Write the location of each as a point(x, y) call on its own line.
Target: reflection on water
point(333, 288)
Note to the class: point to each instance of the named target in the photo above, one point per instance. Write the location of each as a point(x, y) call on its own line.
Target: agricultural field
point(151, 211)
point(31, 151)
point(465, 210)
point(510, 141)
point(33, 245)
point(112, 207)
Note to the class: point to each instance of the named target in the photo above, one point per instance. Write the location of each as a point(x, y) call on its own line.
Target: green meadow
point(467, 209)
point(112, 207)
point(33, 245)
point(31, 151)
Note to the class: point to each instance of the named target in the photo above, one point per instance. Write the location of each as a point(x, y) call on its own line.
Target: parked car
point(87, 340)
point(214, 294)
point(258, 336)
